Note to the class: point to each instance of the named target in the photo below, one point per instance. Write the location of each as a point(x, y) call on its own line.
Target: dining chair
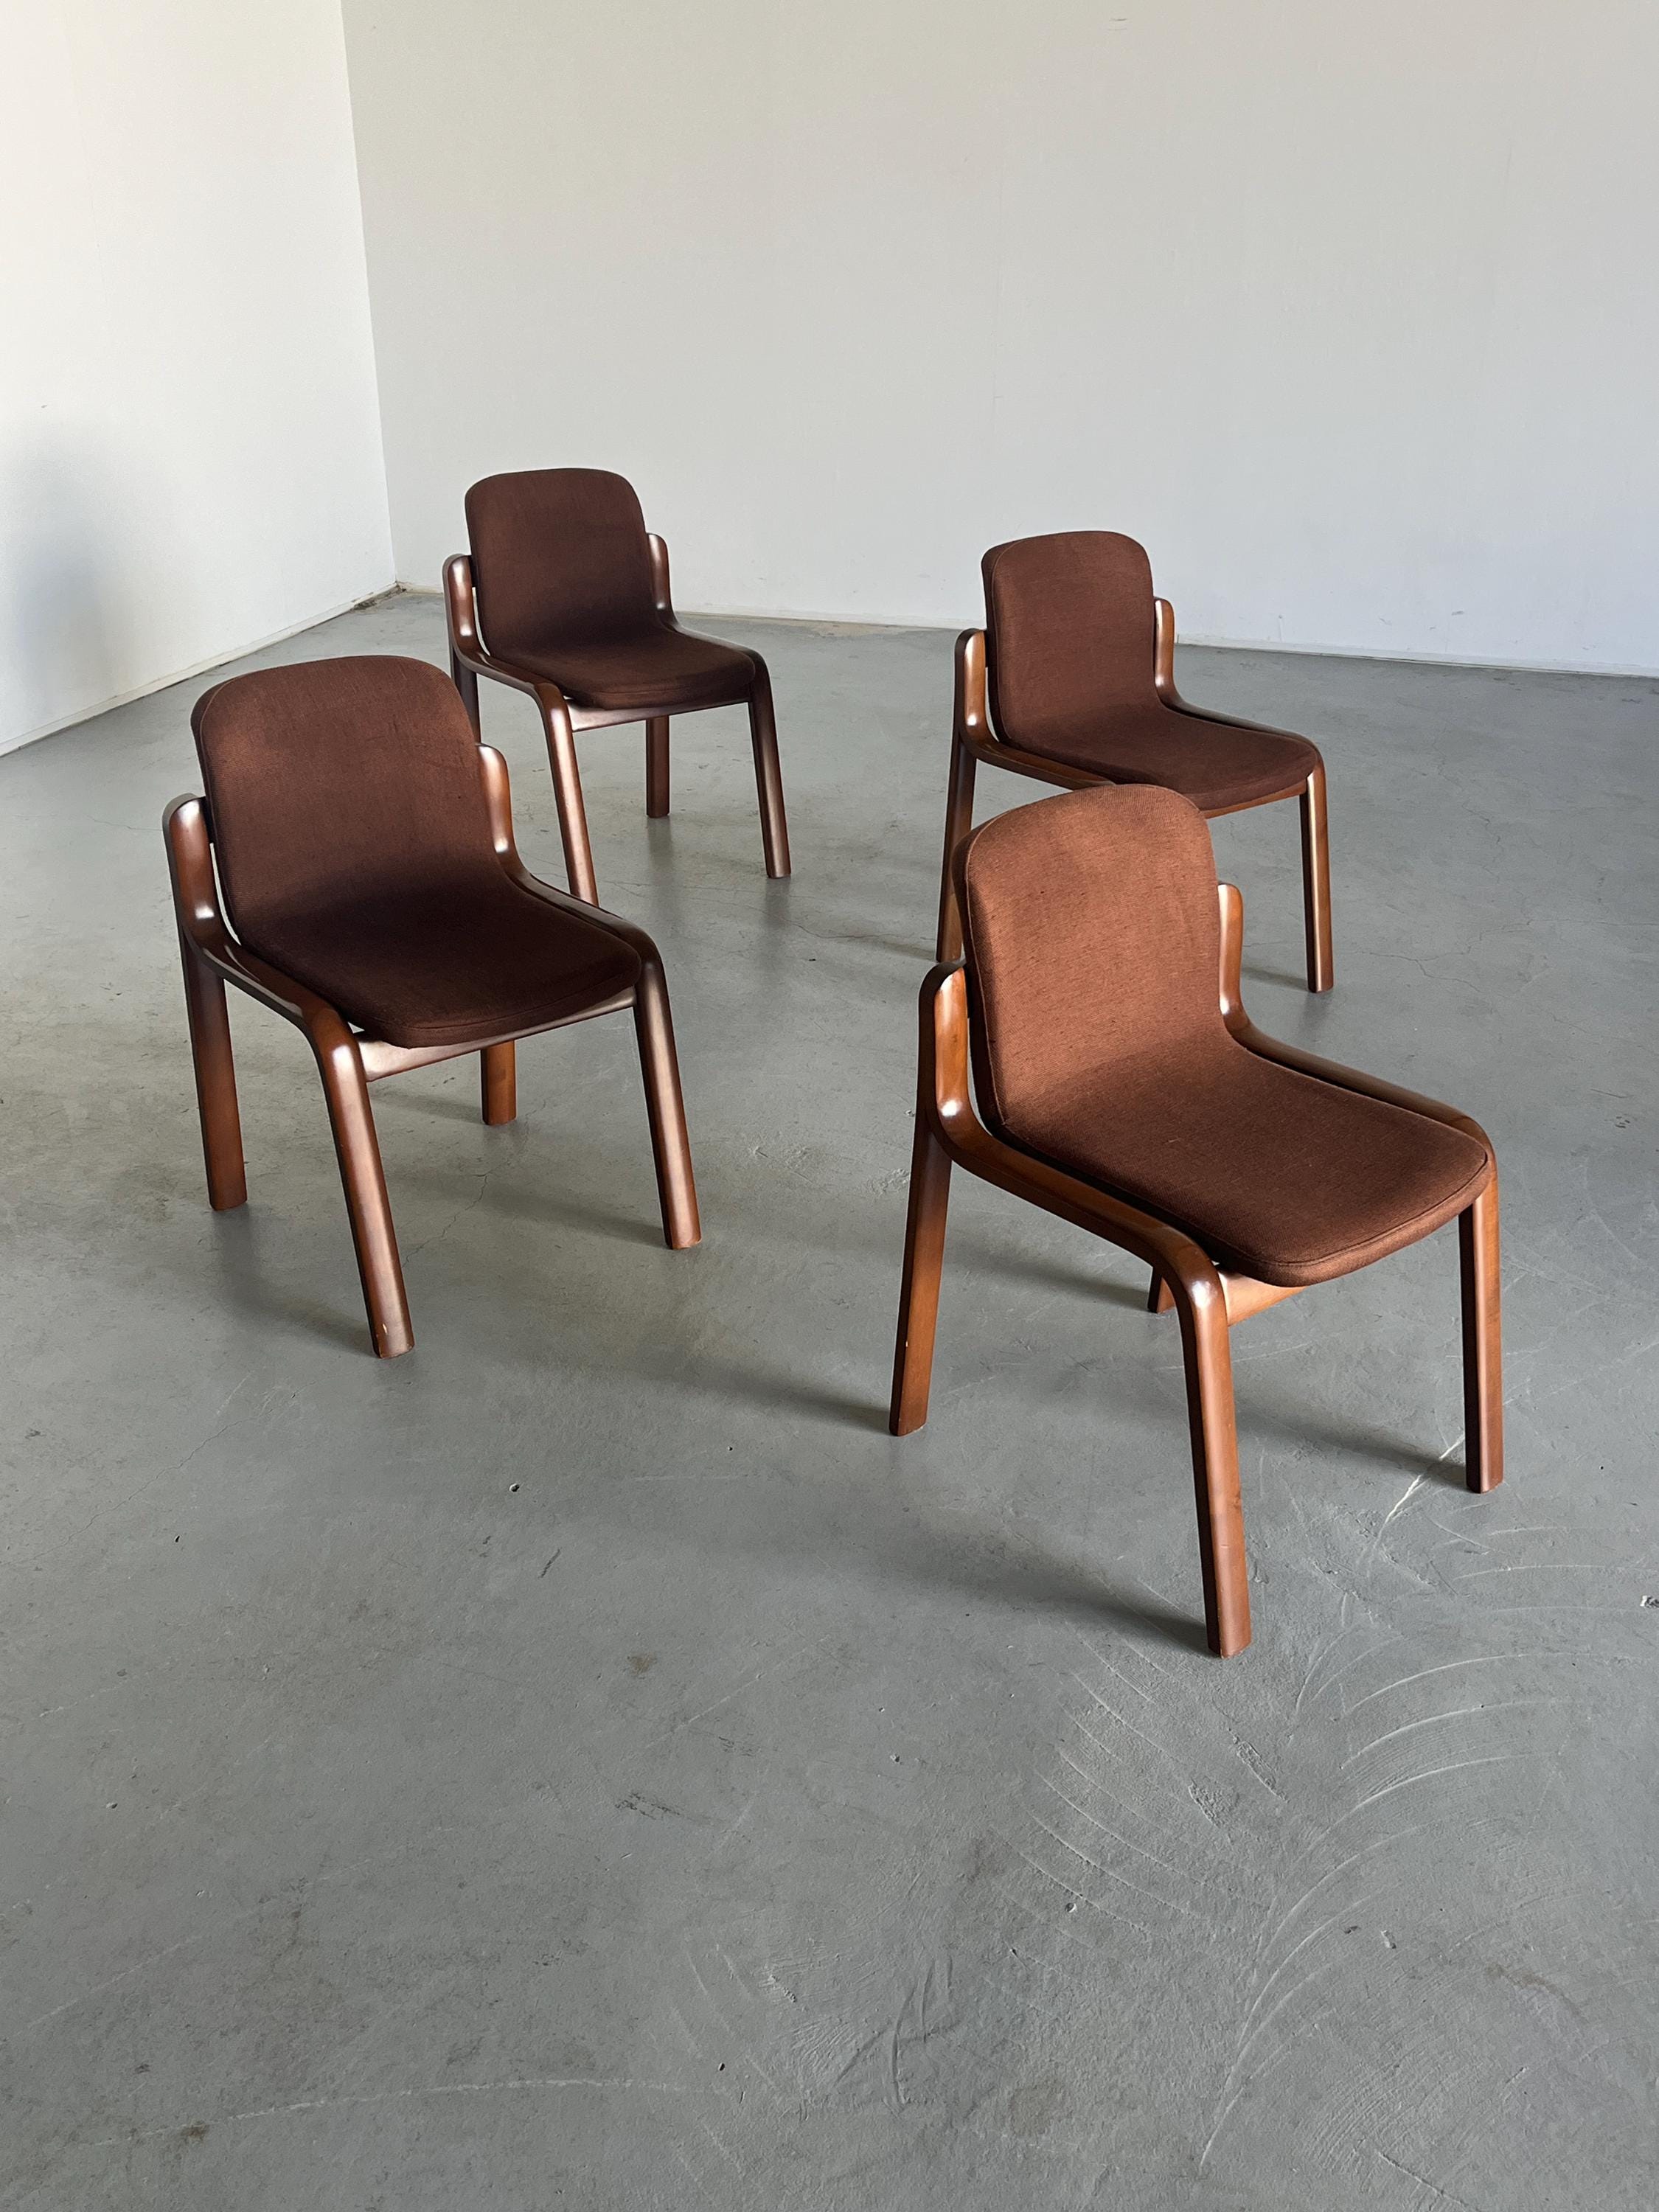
point(352, 866)
point(1121, 1085)
point(565, 596)
point(1072, 682)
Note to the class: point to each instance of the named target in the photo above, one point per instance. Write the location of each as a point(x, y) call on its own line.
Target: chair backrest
point(336, 779)
point(559, 555)
point(1092, 940)
point(1070, 631)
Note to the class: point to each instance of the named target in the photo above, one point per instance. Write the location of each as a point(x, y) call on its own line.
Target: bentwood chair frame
point(974, 737)
point(1208, 1301)
point(348, 1061)
point(470, 658)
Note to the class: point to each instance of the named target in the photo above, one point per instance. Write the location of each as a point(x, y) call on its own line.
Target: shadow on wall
point(69, 627)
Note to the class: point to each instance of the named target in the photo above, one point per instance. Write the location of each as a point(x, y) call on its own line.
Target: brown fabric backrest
point(559, 557)
point(1069, 631)
point(1092, 936)
point(338, 779)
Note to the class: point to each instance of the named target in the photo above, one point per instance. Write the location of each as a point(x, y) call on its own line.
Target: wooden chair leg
point(346, 1090)
point(216, 1082)
point(1160, 1298)
point(924, 1262)
point(769, 776)
point(656, 766)
point(665, 1106)
point(1483, 1357)
point(1317, 882)
point(466, 682)
point(573, 814)
point(1215, 1472)
point(958, 821)
point(498, 1076)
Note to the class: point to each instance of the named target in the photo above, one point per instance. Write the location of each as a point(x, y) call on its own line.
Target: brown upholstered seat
point(1093, 942)
point(447, 962)
point(1219, 768)
point(654, 671)
point(565, 594)
point(1073, 682)
point(367, 864)
point(355, 854)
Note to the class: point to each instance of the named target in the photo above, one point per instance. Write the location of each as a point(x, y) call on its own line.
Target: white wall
point(190, 454)
point(1349, 312)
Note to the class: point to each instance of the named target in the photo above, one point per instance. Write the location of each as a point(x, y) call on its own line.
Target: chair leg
point(1483, 1356)
point(1215, 1473)
point(656, 766)
point(466, 682)
point(664, 1107)
point(1317, 882)
point(769, 776)
point(498, 1076)
point(1160, 1298)
point(346, 1090)
point(573, 814)
point(958, 821)
point(924, 1261)
point(216, 1082)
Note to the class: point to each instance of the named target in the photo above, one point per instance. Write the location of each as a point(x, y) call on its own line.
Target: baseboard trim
point(196, 668)
point(853, 625)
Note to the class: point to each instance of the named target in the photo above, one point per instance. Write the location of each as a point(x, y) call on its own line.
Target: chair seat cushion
point(1276, 1174)
point(1215, 764)
point(650, 671)
point(449, 962)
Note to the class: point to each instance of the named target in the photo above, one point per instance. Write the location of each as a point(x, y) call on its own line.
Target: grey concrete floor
point(588, 1763)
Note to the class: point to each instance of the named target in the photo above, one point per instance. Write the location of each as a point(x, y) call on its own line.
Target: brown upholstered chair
point(565, 596)
point(1118, 1089)
point(364, 844)
point(1080, 662)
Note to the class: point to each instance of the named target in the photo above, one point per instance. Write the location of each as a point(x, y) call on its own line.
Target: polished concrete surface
point(588, 1763)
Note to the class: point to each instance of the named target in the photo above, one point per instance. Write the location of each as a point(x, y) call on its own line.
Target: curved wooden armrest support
point(1353, 1078)
point(190, 855)
point(499, 802)
point(946, 1098)
point(659, 591)
point(1307, 1063)
point(461, 612)
point(1232, 956)
point(190, 864)
point(469, 648)
point(972, 727)
point(972, 721)
point(1227, 721)
point(1163, 677)
point(1164, 646)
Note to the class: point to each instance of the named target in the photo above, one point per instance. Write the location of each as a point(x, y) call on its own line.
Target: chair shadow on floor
point(564, 1209)
point(982, 1562)
point(560, 1206)
point(911, 949)
point(992, 1259)
point(1354, 1441)
point(460, 1105)
point(1257, 974)
point(984, 1565)
point(246, 1282)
